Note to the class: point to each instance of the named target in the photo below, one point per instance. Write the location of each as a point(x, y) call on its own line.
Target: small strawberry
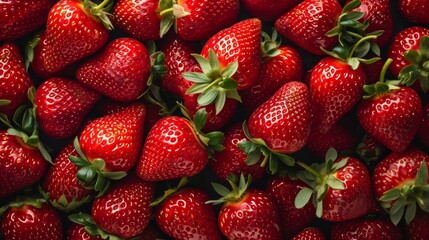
point(414, 11)
point(283, 191)
point(120, 72)
point(417, 229)
point(401, 184)
point(378, 228)
point(31, 219)
point(268, 10)
point(423, 131)
point(78, 232)
point(310, 234)
point(370, 150)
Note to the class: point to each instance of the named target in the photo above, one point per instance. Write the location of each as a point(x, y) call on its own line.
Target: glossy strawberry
point(78, 232)
point(283, 191)
point(310, 234)
point(414, 11)
point(18, 18)
point(14, 79)
point(423, 131)
point(417, 229)
point(184, 215)
point(377, 229)
point(120, 71)
point(268, 10)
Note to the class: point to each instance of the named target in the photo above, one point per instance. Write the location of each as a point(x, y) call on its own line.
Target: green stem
point(212, 84)
point(165, 11)
point(235, 190)
point(101, 5)
point(362, 40)
point(264, 161)
point(384, 70)
point(354, 34)
point(311, 170)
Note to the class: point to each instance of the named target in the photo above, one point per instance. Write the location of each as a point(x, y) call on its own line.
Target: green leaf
point(200, 118)
point(115, 175)
point(273, 164)
point(422, 175)
point(44, 152)
point(166, 22)
point(397, 211)
point(351, 5)
point(413, 56)
point(220, 189)
point(99, 163)
point(4, 102)
point(335, 183)
point(220, 102)
point(204, 63)
point(197, 88)
point(207, 97)
point(86, 174)
point(165, 4)
point(76, 145)
point(100, 182)
point(340, 164)
point(353, 62)
point(331, 154)
point(303, 197)
point(410, 212)
point(214, 62)
point(391, 195)
point(319, 209)
point(352, 16)
point(424, 46)
point(375, 48)
point(196, 77)
point(253, 157)
point(78, 161)
point(229, 83)
point(230, 70)
point(247, 146)
point(233, 94)
point(334, 31)
point(288, 160)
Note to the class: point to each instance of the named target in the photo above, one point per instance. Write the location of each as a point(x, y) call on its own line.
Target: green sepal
point(90, 226)
point(4, 102)
point(183, 181)
point(66, 206)
point(377, 88)
point(167, 17)
point(303, 197)
point(101, 11)
point(236, 192)
point(270, 45)
point(34, 202)
point(29, 49)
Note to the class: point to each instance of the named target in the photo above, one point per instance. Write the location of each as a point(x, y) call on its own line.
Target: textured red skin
point(283, 122)
point(310, 234)
point(375, 229)
point(171, 150)
point(22, 163)
point(39, 223)
point(240, 42)
point(275, 72)
point(423, 131)
point(14, 79)
point(283, 191)
point(184, 215)
point(124, 210)
point(255, 214)
point(379, 117)
point(116, 138)
point(417, 229)
point(415, 10)
point(268, 10)
point(308, 22)
point(403, 41)
point(77, 232)
point(334, 89)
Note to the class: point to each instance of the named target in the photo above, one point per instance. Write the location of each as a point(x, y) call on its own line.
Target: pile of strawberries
point(125, 119)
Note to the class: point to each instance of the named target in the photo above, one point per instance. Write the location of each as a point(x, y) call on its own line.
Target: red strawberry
point(232, 160)
point(78, 232)
point(20, 17)
point(283, 190)
point(307, 24)
point(310, 234)
point(197, 19)
point(184, 215)
point(60, 182)
point(423, 131)
point(120, 71)
point(14, 79)
point(268, 10)
point(61, 106)
point(376, 229)
point(400, 183)
point(31, 219)
point(417, 229)
point(72, 32)
point(140, 19)
point(414, 11)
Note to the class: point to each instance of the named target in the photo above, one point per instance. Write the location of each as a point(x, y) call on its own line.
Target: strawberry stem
point(101, 5)
point(311, 170)
point(165, 11)
point(384, 69)
point(362, 40)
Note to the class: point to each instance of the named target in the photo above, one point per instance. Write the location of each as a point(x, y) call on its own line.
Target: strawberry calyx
point(4, 102)
point(183, 181)
point(215, 83)
point(419, 67)
point(170, 10)
point(90, 227)
point(270, 45)
point(382, 86)
point(24, 125)
point(23, 201)
point(406, 198)
point(100, 11)
point(236, 193)
point(320, 177)
point(92, 175)
point(29, 49)
point(62, 203)
point(254, 148)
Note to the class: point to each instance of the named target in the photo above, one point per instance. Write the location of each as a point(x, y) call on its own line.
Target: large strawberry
point(14, 79)
point(378, 228)
point(20, 17)
point(268, 10)
point(61, 106)
point(74, 30)
point(401, 184)
point(31, 219)
point(120, 71)
point(415, 11)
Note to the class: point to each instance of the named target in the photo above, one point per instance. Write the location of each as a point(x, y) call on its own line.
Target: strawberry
point(61, 106)
point(175, 147)
point(14, 79)
point(401, 182)
point(310, 234)
point(31, 219)
point(268, 10)
point(378, 228)
point(340, 181)
point(307, 23)
point(232, 160)
point(120, 71)
point(414, 11)
point(246, 212)
point(74, 30)
point(20, 17)
point(61, 185)
point(197, 19)
point(283, 191)
point(417, 229)
point(140, 18)
point(423, 131)
point(78, 232)
point(184, 215)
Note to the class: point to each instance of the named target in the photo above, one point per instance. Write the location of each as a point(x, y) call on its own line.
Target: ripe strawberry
point(232, 160)
point(310, 234)
point(401, 182)
point(61, 185)
point(14, 79)
point(61, 106)
point(268, 10)
point(31, 219)
point(78, 232)
point(72, 32)
point(184, 215)
point(283, 191)
point(120, 71)
point(417, 229)
point(414, 11)
point(197, 19)
point(308, 22)
point(340, 181)
point(423, 131)
point(378, 228)
point(20, 17)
